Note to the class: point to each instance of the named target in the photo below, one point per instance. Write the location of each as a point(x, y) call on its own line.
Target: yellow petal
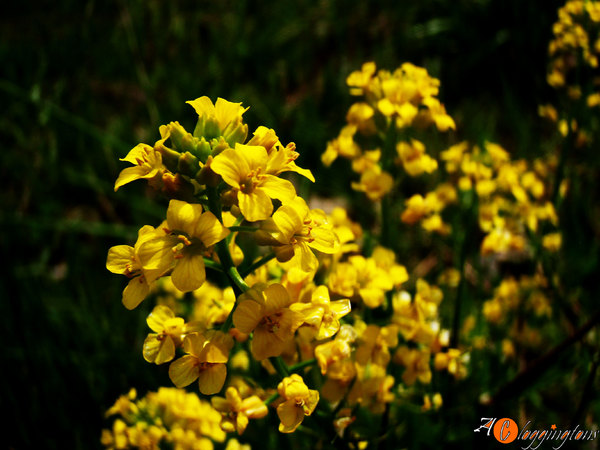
point(136, 290)
point(276, 298)
point(158, 317)
point(183, 216)
point(231, 167)
point(290, 415)
point(265, 344)
point(255, 206)
point(278, 188)
point(189, 273)
point(209, 230)
point(119, 258)
point(133, 173)
point(212, 379)
point(158, 351)
point(247, 315)
point(183, 371)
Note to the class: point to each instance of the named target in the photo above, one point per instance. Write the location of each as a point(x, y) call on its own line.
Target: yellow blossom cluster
point(391, 104)
point(513, 198)
point(573, 69)
point(168, 416)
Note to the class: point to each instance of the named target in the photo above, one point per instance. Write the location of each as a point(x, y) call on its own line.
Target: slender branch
point(248, 229)
point(301, 365)
point(280, 366)
point(213, 265)
point(265, 259)
point(543, 363)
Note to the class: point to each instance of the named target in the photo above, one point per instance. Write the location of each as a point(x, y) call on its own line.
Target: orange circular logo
point(506, 430)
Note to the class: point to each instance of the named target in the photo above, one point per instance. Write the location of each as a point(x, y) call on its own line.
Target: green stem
point(243, 228)
point(213, 265)
point(265, 259)
point(280, 366)
point(301, 365)
point(272, 398)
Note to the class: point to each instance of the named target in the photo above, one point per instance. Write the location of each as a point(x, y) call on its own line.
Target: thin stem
point(301, 365)
point(243, 228)
point(272, 398)
point(264, 260)
point(280, 366)
point(213, 265)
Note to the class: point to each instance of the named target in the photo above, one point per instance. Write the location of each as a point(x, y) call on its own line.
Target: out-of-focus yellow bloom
point(205, 360)
point(416, 362)
point(432, 402)
point(191, 234)
point(244, 168)
point(343, 145)
point(125, 260)
point(453, 361)
point(363, 278)
point(552, 242)
point(331, 353)
point(374, 344)
point(169, 332)
point(237, 412)
point(266, 313)
point(298, 401)
point(414, 159)
point(375, 183)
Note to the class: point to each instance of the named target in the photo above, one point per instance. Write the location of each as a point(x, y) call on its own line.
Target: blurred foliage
point(83, 82)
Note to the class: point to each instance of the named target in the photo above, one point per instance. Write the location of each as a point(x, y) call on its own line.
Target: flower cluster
point(306, 319)
point(377, 136)
point(573, 70)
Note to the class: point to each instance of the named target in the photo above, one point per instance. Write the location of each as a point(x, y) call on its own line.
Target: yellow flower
point(205, 361)
point(267, 314)
point(245, 170)
point(125, 260)
point(236, 412)
point(414, 159)
point(281, 159)
point(374, 345)
point(375, 183)
point(294, 230)
point(169, 331)
point(147, 165)
point(191, 234)
point(321, 314)
point(224, 118)
point(416, 363)
point(298, 401)
point(343, 145)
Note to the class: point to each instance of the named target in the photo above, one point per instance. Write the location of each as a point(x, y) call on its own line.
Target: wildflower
point(375, 183)
point(223, 118)
point(294, 230)
point(416, 362)
point(125, 260)
point(321, 314)
point(190, 235)
point(244, 168)
point(205, 361)
point(298, 401)
point(236, 412)
point(147, 165)
point(169, 331)
point(266, 313)
point(414, 159)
